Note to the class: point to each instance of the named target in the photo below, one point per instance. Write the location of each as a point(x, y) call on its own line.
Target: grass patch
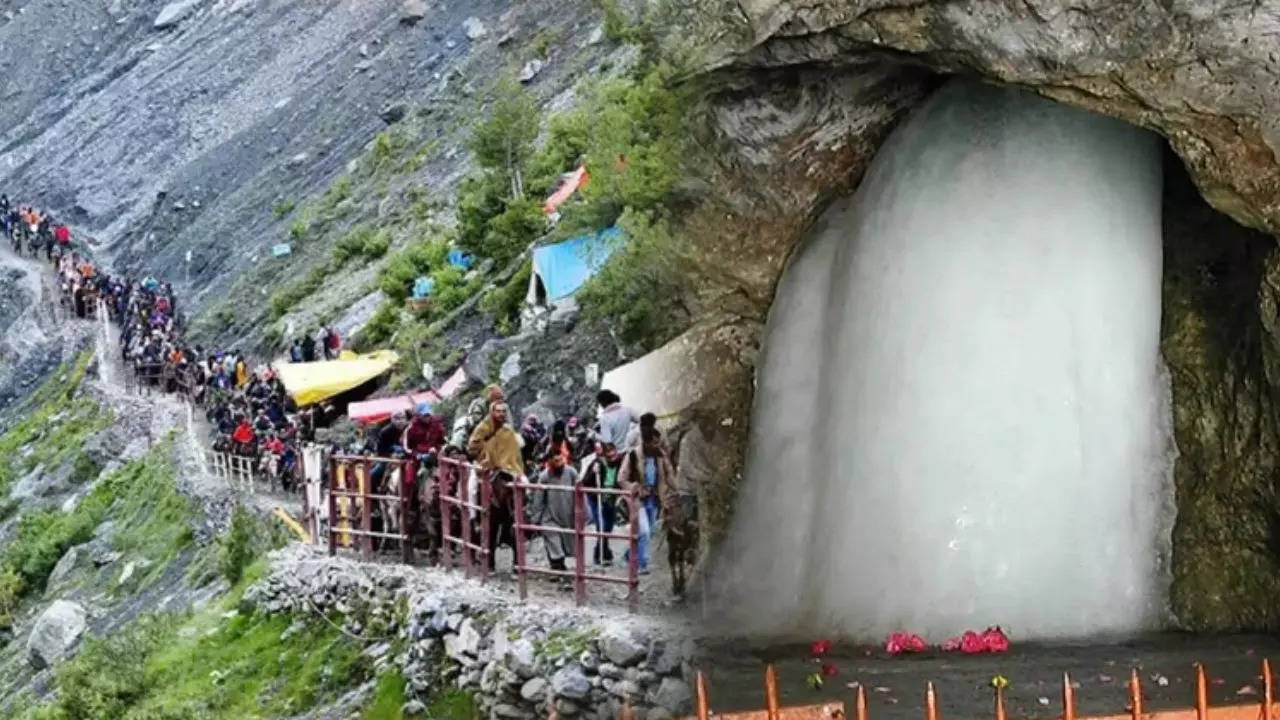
point(143, 499)
point(282, 207)
point(55, 424)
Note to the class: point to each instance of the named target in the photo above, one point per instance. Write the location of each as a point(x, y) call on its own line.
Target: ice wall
point(961, 417)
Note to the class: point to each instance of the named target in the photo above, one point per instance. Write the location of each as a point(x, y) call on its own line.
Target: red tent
point(369, 412)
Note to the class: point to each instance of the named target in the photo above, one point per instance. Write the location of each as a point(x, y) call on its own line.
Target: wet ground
point(895, 685)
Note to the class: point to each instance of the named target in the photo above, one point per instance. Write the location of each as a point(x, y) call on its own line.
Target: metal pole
point(520, 542)
point(408, 485)
point(486, 525)
point(333, 507)
point(579, 545)
point(1202, 694)
point(464, 502)
point(1068, 698)
point(366, 512)
point(1135, 694)
point(446, 517)
point(771, 693)
point(633, 529)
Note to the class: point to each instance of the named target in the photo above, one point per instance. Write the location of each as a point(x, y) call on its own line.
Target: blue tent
point(423, 286)
point(566, 266)
point(460, 260)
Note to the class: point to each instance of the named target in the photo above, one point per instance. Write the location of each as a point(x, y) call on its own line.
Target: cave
point(1156, 505)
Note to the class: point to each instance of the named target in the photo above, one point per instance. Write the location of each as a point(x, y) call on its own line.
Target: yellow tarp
point(309, 383)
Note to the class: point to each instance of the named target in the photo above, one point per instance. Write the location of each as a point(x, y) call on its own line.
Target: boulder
point(174, 13)
point(570, 683)
point(66, 564)
point(620, 649)
point(464, 645)
point(55, 633)
point(531, 70)
point(520, 657)
point(535, 690)
point(673, 695)
point(475, 29)
point(510, 368)
point(412, 11)
point(393, 113)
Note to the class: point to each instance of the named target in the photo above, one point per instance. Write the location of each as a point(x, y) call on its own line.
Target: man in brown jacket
point(494, 445)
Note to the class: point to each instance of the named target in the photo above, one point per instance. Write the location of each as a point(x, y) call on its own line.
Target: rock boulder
point(56, 632)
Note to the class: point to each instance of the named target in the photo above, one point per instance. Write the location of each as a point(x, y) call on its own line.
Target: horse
point(681, 529)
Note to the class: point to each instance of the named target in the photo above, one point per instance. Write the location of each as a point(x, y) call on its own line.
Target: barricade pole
point(486, 502)
point(444, 475)
point(464, 502)
point(633, 530)
point(366, 512)
point(333, 507)
point(408, 486)
point(520, 541)
point(579, 546)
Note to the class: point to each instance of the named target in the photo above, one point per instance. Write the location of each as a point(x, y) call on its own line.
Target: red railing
point(579, 574)
point(453, 483)
point(1265, 709)
point(352, 497)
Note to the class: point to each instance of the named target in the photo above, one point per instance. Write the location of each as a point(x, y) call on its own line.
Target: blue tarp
point(565, 266)
point(422, 287)
point(459, 259)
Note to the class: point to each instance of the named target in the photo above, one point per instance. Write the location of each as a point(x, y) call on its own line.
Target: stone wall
point(518, 659)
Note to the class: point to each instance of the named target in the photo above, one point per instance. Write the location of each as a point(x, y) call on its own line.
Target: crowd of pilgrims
point(254, 416)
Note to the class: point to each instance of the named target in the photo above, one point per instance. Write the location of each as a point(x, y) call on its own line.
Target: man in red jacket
point(62, 234)
point(425, 434)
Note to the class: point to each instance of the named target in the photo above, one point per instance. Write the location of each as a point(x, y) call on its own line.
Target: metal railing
point(579, 574)
point(461, 516)
point(1265, 709)
point(352, 499)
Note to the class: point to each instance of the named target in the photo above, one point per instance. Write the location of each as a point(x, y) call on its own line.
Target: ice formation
point(961, 415)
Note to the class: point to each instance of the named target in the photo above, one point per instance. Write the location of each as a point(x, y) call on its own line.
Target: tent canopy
point(310, 383)
point(566, 266)
point(369, 412)
point(574, 180)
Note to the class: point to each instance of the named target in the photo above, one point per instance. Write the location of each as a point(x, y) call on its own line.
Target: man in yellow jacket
point(494, 445)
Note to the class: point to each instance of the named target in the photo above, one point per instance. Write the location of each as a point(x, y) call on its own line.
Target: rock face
point(55, 633)
point(800, 96)
point(174, 13)
point(515, 657)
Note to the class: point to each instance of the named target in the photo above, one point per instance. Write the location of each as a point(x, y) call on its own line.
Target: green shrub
point(396, 278)
point(237, 549)
point(639, 289)
point(363, 241)
point(504, 303)
point(282, 207)
point(298, 230)
point(382, 325)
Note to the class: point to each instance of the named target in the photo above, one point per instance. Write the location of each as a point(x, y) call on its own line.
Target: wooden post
point(860, 704)
point(446, 516)
point(464, 501)
point(1000, 714)
point(931, 702)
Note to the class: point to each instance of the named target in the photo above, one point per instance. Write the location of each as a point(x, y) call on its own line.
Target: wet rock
point(55, 633)
point(174, 13)
point(510, 368)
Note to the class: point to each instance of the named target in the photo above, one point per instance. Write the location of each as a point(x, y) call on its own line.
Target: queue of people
point(253, 416)
point(28, 227)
